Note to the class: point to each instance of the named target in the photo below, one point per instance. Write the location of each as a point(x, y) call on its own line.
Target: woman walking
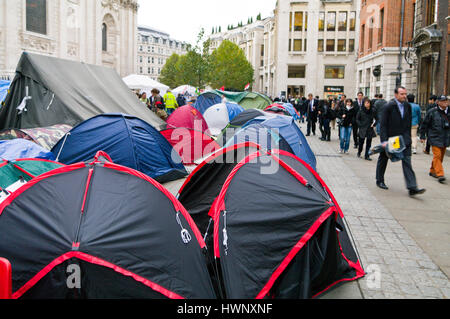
point(367, 121)
point(346, 116)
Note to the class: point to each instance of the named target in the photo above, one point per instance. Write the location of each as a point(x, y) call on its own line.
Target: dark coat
point(434, 126)
point(378, 107)
point(365, 119)
point(349, 116)
point(357, 107)
point(312, 115)
point(392, 124)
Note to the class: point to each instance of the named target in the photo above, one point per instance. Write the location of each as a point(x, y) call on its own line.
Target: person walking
point(311, 114)
point(378, 106)
point(431, 104)
point(155, 98)
point(416, 118)
point(396, 120)
point(181, 101)
point(347, 118)
point(170, 102)
point(358, 105)
point(436, 126)
point(326, 115)
point(367, 121)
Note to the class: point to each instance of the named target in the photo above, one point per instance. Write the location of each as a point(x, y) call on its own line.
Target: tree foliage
point(230, 67)
point(170, 72)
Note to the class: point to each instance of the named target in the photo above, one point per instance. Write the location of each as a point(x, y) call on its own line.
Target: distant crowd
point(367, 118)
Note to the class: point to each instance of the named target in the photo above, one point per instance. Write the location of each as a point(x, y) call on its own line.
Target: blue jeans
point(346, 133)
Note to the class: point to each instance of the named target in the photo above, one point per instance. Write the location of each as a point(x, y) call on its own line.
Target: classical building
point(100, 32)
point(154, 47)
point(386, 27)
point(306, 47)
point(429, 50)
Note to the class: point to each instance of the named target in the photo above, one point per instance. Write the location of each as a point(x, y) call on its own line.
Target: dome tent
point(120, 227)
point(128, 140)
point(187, 117)
point(206, 100)
point(277, 235)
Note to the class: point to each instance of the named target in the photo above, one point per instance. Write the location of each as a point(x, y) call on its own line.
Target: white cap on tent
point(144, 84)
point(217, 117)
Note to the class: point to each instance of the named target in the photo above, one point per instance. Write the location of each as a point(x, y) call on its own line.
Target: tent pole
point(64, 143)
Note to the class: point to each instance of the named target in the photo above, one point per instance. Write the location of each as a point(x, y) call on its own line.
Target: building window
point(104, 37)
point(140, 58)
point(305, 45)
point(360, 77)
point(148, 70)
point(321, 21)
point(334, 72)
point(36, 16)
point(149, 60)
point(381, 30)
point(330, 45)
point(431, 11)
point(296, 71)
point(363, 33)
point(351, 45)
point(140, 48)
point(331, 21)
point(320, 45)
point(342, 21)
point(342, 45)
point(306, 21)
point(297, 45)
point(290, 23)
point(352, 21)
point(141, 70)
point(298, 21)
point(289, 47)
point(370, 34)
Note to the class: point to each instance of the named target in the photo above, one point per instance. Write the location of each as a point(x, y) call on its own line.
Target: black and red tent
point(278, 230)
point(119, 231)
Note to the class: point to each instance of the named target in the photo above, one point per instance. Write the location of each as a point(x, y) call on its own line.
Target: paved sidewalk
point(383, 243)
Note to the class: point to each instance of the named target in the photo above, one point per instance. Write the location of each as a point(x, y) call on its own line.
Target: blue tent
point(129, 142)
point(282, 130)
point(206, 100)
point(290, 108)
point(11, 150)
point(4, 87)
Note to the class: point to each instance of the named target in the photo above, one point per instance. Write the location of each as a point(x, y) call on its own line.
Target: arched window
point(104, 37)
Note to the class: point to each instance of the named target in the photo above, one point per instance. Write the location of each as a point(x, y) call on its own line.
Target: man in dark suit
point(396, 120)
point(358, 105)
point(311, 114)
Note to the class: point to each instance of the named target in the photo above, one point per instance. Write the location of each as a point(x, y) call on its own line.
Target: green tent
point(248, 100)
point(26, 169)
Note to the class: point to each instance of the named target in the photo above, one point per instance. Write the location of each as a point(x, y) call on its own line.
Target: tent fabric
point(21, 148)
point(248, 100)
point(191, 145)
point(283, 232)
point(286, 107)
point(128, 236)
point(287, 128)
point(185, 90)
point(206, 100)
point(273, 232)
point(218, 116)
point(246, 116)
point(27, 169)
point(187, 117)
point(277, 109)
point(128, 140)
point(4, 88)
point(47, 137)
point(144, 83)
point(67, 92)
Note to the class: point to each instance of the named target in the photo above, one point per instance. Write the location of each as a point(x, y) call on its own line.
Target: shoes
point(355, 146)
point(433, 175)
point(359, 155)
point(414, 151)
point(441, 179)
point(426, 152)
point(416, 191)
point(341, 152)
point(308, 135)
point(382, 186)
point(367, 158)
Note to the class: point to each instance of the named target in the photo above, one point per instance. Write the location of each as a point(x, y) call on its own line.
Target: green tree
point(194, 66)
point(230, 68)
point(170, 73)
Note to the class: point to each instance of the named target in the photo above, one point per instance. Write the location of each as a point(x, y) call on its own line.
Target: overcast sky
point(183, 19)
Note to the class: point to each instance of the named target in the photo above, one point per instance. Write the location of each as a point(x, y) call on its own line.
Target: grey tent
point(67, 92)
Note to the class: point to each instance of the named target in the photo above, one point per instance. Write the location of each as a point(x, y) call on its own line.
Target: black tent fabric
point(67, 92)
point(278, 230)
point(123, 233)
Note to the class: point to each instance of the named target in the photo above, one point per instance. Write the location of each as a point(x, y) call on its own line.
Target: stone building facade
point(100, 32)
point(154, 47)
point(385, 30)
